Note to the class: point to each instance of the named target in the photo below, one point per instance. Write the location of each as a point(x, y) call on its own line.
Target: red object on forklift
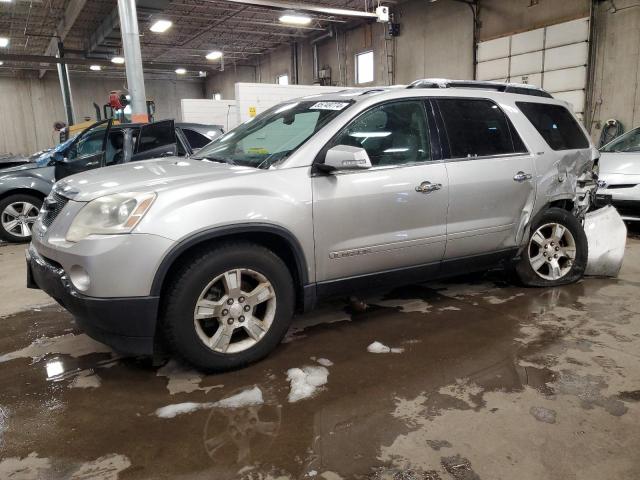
point(118, 99)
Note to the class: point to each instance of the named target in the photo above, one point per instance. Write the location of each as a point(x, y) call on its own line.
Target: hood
point(146, 176)
point(621, 163)
point(19, 168)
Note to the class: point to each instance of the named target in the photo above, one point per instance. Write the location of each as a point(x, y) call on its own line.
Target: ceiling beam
point(65, 25)
point(48, 59)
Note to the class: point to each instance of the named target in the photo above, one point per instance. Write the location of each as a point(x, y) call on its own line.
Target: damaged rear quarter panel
point(557, 172)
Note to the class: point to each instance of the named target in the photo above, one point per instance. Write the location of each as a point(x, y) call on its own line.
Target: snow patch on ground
point(377, 347)
point(68, 344)
point(86, 379)
point(325, 362)
point(245, 398)
point(103, 468)
point(451, 309)
point(30, 467)
point(181, 379)
point(306, 381)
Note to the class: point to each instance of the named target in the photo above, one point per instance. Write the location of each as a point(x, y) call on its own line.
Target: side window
point(478, 128)
point(392, 134)
point(195, 139)
point(90, 143)
point(115, 148)
point(556, 125)
point(155, 136)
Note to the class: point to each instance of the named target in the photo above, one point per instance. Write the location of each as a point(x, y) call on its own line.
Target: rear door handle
point(522, 177)
point(428, 187)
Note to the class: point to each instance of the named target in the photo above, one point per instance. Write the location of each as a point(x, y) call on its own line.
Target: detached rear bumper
point(126, 324)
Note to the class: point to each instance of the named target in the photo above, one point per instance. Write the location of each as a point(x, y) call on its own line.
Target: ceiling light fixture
point(161, 26)
point(118, 60)
point(95, 68)
point(4, 42)
point(295, 19)
point(215, 55)
point(181, 71)
point(1, 63)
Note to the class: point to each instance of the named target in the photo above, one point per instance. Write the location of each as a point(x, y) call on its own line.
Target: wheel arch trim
point(220, 232)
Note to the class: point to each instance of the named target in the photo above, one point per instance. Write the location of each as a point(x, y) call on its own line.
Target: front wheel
point(228, 306)
point(556, 253)
point(18, 213)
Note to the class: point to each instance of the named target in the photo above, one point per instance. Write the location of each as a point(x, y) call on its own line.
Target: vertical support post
point(294, 63)
point(65, 87)
point(133, 59)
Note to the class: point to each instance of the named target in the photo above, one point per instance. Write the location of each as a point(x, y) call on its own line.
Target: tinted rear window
point(195, 139)
point(478, 128)
point(556, 125)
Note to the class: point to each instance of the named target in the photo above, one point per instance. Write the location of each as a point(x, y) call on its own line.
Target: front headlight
point(108, 215)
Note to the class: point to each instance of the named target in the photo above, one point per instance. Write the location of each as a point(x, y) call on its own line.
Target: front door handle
point(522, 177)
point(428, 187)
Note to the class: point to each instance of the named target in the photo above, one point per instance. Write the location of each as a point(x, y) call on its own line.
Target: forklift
point(117, 109)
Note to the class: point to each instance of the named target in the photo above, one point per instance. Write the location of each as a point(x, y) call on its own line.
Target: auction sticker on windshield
point(329, 106)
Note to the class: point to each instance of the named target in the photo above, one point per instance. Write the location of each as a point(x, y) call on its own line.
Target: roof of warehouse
point(242, 32)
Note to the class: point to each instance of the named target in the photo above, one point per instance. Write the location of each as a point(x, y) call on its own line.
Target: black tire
point(524, 270)
point(18, 198)
point(194, 275)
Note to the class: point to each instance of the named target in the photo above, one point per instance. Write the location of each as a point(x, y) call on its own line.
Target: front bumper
point(126, 324)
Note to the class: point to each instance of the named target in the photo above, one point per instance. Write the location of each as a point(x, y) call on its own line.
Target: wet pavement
point(477, 379)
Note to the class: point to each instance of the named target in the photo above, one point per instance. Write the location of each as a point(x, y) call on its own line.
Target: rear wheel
point(18, 213)
point(557, 251)
point(228, 306)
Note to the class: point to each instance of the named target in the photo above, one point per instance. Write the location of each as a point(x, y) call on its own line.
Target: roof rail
point(517, 88)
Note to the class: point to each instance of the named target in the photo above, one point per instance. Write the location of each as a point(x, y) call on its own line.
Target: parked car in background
point(23, 187)
point(619, 174)
point(317, 197)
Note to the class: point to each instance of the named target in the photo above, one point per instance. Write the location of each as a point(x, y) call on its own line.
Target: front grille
point(52, 207)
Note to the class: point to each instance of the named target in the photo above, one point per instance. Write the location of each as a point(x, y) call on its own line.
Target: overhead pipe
point(304, 7)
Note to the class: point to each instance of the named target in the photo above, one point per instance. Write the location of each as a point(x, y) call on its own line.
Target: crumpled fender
point(607, 239)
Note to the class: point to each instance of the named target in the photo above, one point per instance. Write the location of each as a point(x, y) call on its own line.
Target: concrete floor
point(493, 382)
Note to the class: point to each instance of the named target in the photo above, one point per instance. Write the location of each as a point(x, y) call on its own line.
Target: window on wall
point(364, 67)
point(282, 79)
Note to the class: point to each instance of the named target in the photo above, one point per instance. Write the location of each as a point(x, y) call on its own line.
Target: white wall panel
point(526, 42)
point(527, 63)
point(565, 80)
point(573, 55)
point(567, 33)
point(492, 49)
point(493, 69)
point(530, 79)
point(575, 98)
point(210, 112)
point(262, 96)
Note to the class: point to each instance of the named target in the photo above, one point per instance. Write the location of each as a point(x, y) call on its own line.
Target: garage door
point(554, 58)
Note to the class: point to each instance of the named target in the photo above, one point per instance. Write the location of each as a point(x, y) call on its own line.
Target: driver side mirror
point(345, 157)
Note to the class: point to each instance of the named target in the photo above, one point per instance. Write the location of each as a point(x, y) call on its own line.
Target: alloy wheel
point(235, 311)
point(18, 218)
point(552, 251)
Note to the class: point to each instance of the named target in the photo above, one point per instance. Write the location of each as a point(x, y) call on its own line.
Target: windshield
point(629, 142)
point(42, 158)
point(273, 135)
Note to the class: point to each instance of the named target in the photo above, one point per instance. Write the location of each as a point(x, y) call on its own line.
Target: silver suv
point(324, 195)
